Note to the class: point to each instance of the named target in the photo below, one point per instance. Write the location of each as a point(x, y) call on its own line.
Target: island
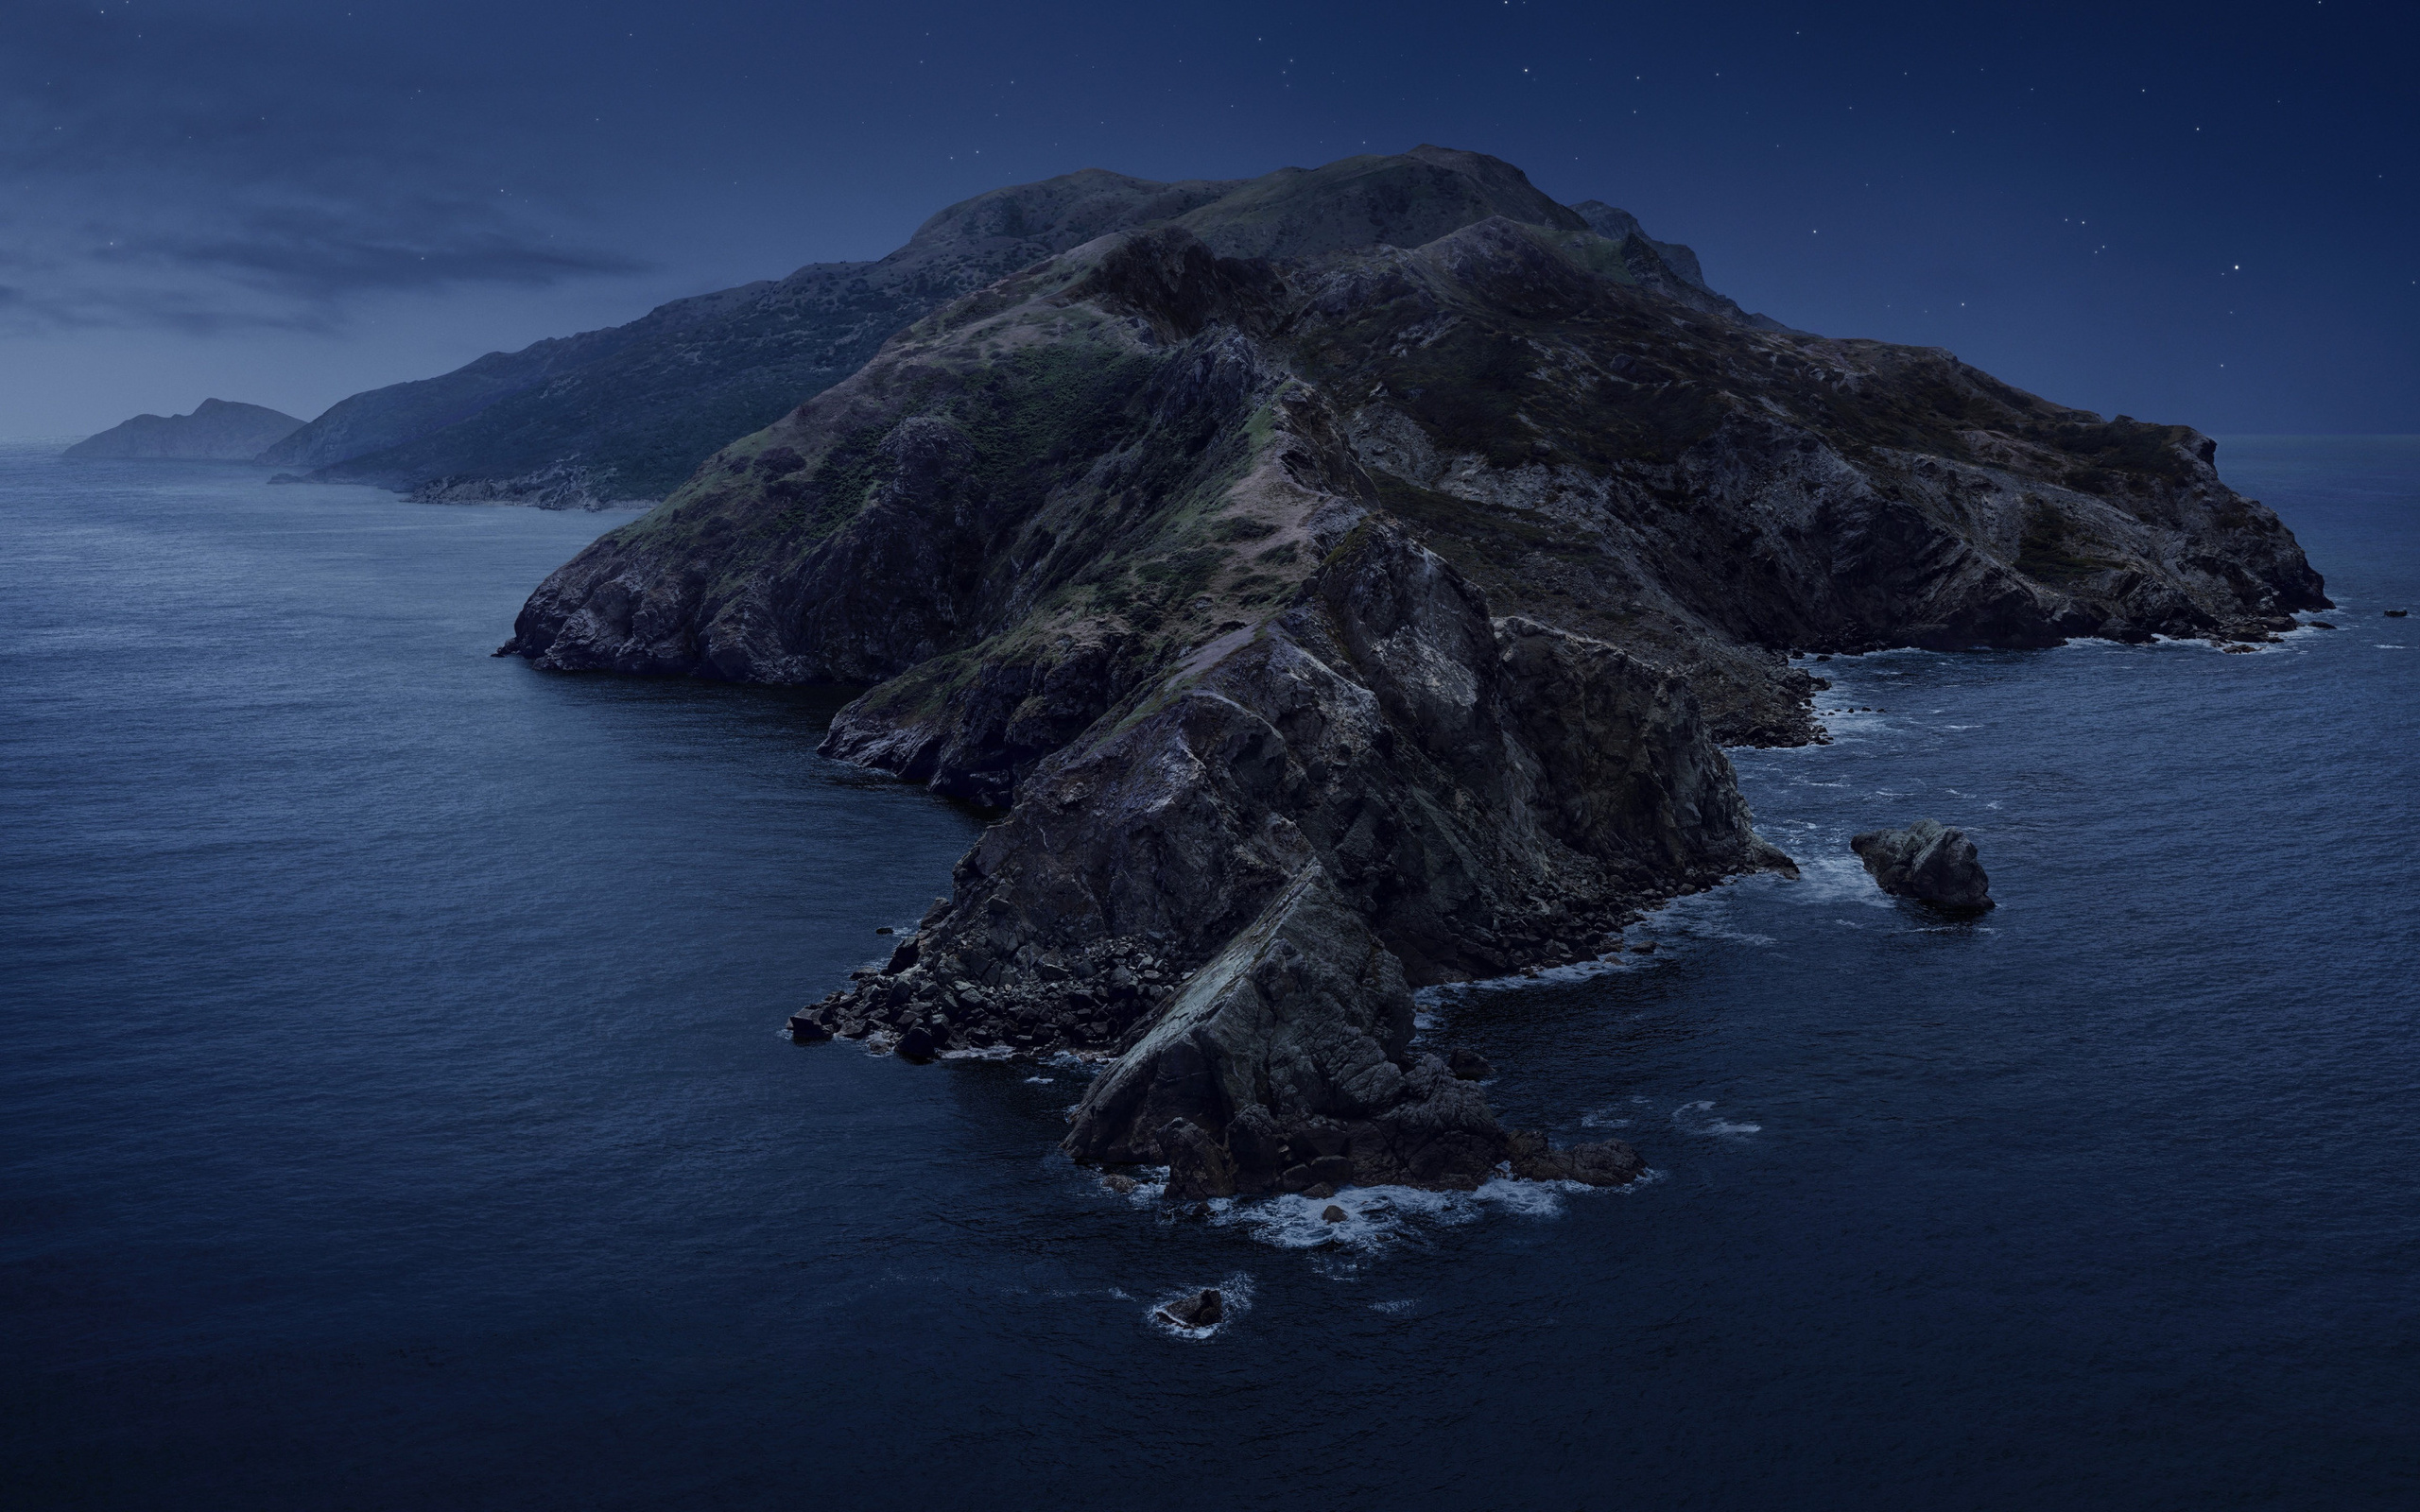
point(1349, 581)
point(219, 430)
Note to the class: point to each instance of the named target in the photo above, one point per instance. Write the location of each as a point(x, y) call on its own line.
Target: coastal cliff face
point(217, 431)
point(1410, 583)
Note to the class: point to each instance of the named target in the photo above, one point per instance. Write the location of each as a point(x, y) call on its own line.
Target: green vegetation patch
point(1501, 534)
point(2047, 552)
point(1034, 410)
point(1241, 528)
point(1182, 574)
point(2124, 446)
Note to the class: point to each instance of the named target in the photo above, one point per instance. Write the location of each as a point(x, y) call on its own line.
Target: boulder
point(1926, 861)
point(1200, 1310)
point(806, 1030)
point(1609, 1163)
point(1468, 1065)
point(1198, 1166)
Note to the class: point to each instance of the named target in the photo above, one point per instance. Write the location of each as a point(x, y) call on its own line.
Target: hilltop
point(628, 412)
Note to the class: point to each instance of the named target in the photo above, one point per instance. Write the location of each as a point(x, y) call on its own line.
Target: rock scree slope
point(1349, 584)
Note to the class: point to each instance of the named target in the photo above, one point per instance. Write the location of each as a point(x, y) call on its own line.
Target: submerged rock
point(1929, 862)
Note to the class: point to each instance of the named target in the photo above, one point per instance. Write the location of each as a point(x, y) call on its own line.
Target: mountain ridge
point(632, 409)
point(219, 430)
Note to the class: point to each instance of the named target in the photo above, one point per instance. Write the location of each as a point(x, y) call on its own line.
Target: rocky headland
point(1349, 583)
point(219, 430)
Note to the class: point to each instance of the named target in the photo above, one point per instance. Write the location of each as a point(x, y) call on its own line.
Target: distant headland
point(218, 431)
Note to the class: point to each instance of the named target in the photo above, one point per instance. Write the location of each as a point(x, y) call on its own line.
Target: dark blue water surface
point(392, 1111)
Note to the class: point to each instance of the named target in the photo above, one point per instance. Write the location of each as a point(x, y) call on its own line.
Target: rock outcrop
point(1485, 792)
point(217, 431)
point(1362, 614)
point(565, 485)
point(1929, 862)
point(1287, 1064)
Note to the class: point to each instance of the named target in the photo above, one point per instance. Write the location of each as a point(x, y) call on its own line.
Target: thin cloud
point(200, 173)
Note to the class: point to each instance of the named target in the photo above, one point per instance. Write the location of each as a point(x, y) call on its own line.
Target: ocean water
point(393, 1111)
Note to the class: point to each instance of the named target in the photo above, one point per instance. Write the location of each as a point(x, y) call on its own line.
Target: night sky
point(2198, 213)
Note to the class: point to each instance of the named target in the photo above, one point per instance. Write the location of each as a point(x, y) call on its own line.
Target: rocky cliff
point(1408, 571)
point(217, 431)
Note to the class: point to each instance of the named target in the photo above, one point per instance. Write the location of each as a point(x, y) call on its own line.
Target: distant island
point(218, 431)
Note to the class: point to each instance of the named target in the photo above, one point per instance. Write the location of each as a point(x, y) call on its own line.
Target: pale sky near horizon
point(2185, 213)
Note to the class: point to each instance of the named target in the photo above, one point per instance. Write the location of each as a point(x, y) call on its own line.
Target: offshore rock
point(1928, 861)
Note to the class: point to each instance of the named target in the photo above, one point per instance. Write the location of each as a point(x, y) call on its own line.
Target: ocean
point(394, 1111)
